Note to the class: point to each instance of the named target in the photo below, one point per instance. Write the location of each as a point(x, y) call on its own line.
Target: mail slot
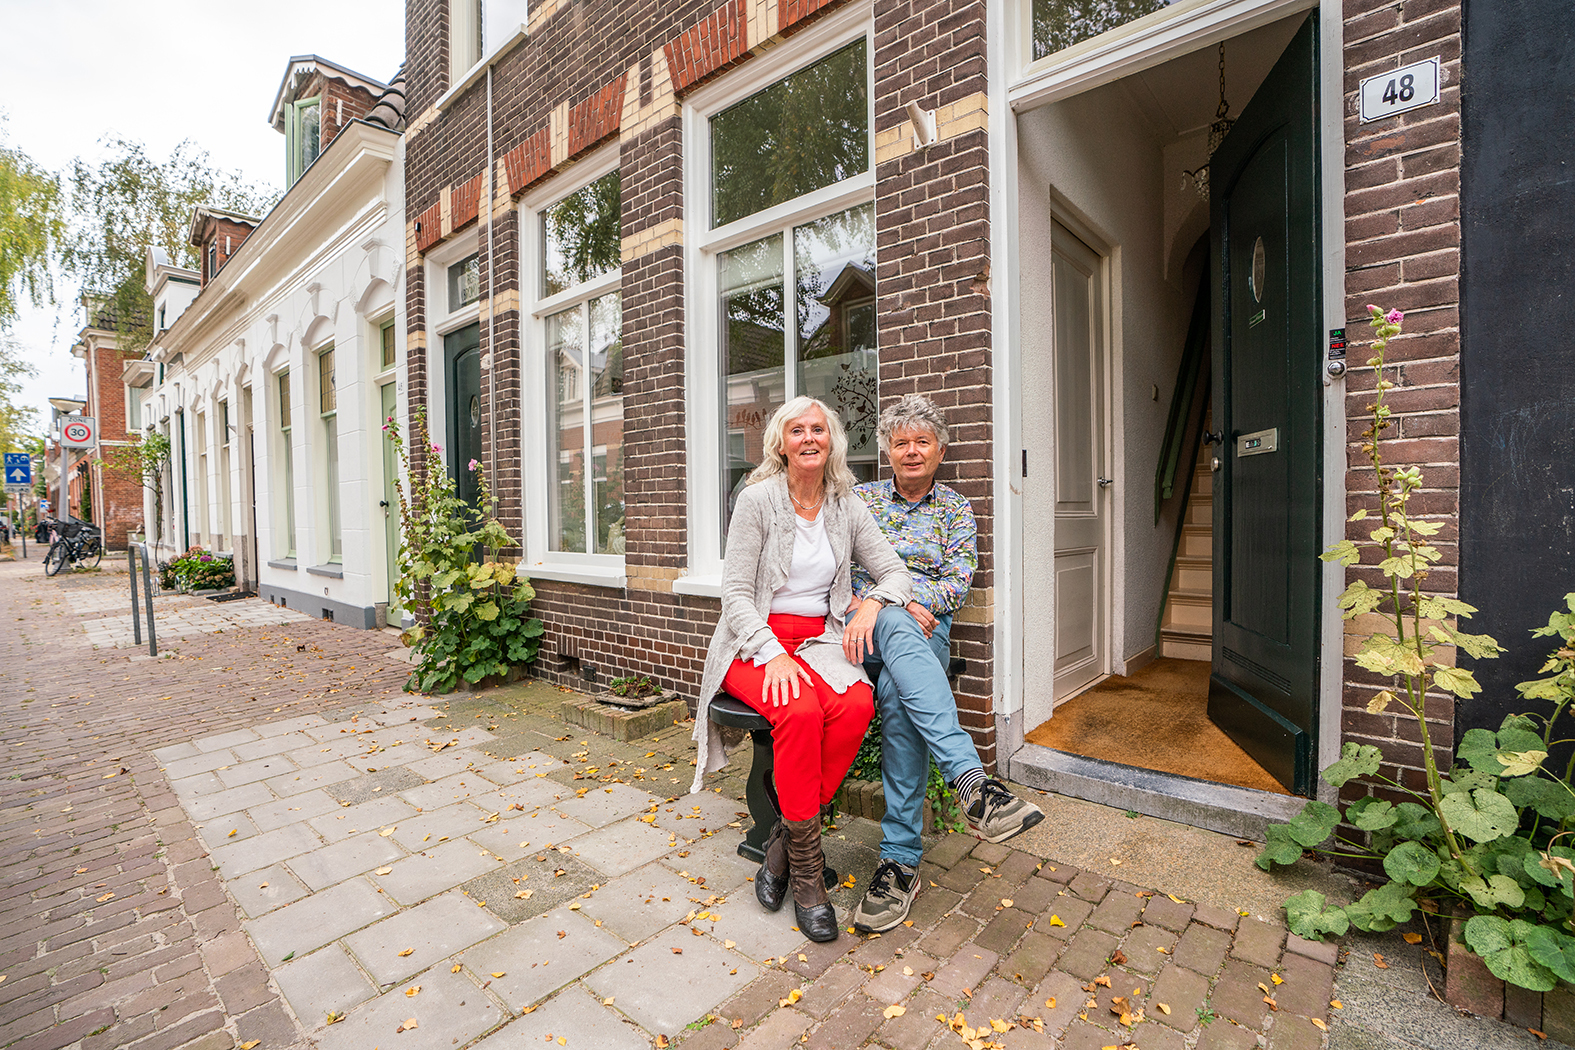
point(1258, 442)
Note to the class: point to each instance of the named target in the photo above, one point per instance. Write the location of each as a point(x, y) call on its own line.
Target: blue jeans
point(918, 718)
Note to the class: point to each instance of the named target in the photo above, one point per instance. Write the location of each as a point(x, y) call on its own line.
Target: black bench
point(761, 791)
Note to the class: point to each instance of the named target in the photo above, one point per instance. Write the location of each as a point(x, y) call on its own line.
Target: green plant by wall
point(472, 616)
point(943, 801)
point(199, 569)
point(1483, 836)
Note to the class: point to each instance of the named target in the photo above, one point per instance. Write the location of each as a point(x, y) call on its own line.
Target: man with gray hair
point(932, 529)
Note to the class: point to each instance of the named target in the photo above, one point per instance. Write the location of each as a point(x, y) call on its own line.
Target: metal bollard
point(136, 611)
point(147, 590)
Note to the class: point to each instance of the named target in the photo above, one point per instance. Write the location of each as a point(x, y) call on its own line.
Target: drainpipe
point(185, 506)
point(492, 362)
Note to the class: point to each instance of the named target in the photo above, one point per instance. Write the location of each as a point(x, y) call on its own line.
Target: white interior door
point(1080, 478)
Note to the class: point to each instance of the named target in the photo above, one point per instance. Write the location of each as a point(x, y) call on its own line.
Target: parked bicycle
point(79, 543)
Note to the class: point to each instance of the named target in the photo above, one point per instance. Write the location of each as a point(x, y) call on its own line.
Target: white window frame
point(328, 461)
point(503, 22)
point(442, 322)
point(286, 545)
point(703, 397)
point(606, 570)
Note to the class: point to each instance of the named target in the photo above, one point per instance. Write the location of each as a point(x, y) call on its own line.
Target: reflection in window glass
point(1059, 24)
point(287, 456)
point(753, 354)
point(464, 282)
point(386, 336)
point(581, 236)
point(808, 130)
point(327, 393)
point(585, 356)
point(834, 269)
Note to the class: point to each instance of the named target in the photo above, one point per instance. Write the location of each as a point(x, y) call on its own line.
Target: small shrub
point(200, 570)
point(633, 687)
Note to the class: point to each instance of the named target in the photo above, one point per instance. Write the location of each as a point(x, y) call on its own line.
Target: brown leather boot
point(771, 881)
point(817, 920)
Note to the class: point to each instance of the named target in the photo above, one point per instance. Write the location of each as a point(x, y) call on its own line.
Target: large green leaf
point(1468, 780)
point(1371, 814)
point(1359, 599)
point(1356, 760)
point(1502, 945)
point(1553, 949)
point(1456, 680)
point(1309, 918)
point(1381, 910)
point(1493, 891)
point(1482, 816)
point(1415, 821)
point(1280, 848)
point(1521, 763)
point(1315, 823)
point(1479, 747)
point(1412, 862)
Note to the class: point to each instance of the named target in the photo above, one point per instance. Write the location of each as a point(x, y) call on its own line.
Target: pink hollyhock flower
point(1394, 316)
point(436, 447)
point(474, 464)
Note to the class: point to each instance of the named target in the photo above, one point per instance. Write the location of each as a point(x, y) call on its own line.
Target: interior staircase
point(1187, 628)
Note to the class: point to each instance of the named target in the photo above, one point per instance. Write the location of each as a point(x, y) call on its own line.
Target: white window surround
point(1140, 44)
point(440, 323)
point(604, 570)
point(503, 23)
point(703, 396)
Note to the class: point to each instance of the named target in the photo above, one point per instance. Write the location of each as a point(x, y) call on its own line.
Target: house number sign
point(1399, 90)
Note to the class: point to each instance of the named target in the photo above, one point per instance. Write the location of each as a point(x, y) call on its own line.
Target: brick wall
point(224, 235)
point(341, 103)
point(1402, 206)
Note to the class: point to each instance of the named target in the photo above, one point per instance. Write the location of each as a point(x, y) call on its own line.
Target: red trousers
point(815, 735)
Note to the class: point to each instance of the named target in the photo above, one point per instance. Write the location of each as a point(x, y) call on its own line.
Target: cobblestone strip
point(114, 930)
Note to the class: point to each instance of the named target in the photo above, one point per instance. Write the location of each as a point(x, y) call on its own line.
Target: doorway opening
point(1160, 370)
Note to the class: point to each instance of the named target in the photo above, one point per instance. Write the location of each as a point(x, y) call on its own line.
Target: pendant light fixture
point(1198, 178)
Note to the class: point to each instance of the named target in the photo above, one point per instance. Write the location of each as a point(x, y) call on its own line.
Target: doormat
point(231, 596)
point(1157, 719)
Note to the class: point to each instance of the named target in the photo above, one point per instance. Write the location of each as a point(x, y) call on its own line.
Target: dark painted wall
point(1518, 335)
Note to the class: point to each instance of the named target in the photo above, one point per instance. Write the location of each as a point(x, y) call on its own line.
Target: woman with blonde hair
point(791, 642)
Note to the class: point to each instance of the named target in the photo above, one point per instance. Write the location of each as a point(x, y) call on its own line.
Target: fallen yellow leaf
point(455, 968)
point(608, 1001)
point(335, 1017)
point(1337, 1004)
point(1410, 938)
point(385, 870)
point(562, 1041)
point(1164, 1008)
point(1276, 978)
point(1055, 920)
point(1050, 1003)
point(1006, 902)
point(387, 831)
point(413, 990)
point(729, 944)
point(406, 952)
point(1175, 898)
point(894, 1010)
point(1321, 1026)
point(233, 833)
point(499, 973)
point(1378, 961)
point(249, 1044)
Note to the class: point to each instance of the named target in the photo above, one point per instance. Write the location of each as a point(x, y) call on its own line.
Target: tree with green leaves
point(31, 225)
point(16, 421)
point(130, 202)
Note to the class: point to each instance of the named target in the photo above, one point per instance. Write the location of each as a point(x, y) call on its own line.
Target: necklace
point(808, 506)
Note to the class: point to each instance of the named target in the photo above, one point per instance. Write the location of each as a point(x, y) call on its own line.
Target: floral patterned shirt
point(936, 537)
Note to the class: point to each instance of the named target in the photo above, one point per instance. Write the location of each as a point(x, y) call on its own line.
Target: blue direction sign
point(18, 471)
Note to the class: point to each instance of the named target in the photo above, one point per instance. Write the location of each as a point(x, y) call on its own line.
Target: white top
point(807, 590)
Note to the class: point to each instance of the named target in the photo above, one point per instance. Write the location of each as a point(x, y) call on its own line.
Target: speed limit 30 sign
point(79, 432)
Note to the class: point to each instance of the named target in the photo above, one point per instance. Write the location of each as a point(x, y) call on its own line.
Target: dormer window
point(213, 259)
point(303, 137)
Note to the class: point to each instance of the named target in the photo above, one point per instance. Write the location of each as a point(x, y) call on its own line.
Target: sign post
point(18, 479)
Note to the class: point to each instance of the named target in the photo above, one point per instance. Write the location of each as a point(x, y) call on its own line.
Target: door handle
point(383, 503)
point(1106, 482)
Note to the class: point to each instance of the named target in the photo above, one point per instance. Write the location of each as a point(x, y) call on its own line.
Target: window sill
point(283, 563)
point(475, 72)
point(335, 572)
point(704, 586)
point(593, 575)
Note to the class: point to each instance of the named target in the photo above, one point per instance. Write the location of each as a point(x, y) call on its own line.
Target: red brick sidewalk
point(114, 930)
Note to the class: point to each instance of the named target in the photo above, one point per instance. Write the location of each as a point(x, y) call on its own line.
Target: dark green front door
point(1267, 357)
point(462, 350)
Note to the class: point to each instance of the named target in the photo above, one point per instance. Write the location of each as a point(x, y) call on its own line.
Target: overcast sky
point(158, 72)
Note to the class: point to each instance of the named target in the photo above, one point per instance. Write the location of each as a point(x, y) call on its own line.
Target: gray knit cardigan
point(759, 556)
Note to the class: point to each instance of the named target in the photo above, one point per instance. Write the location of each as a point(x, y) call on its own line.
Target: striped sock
point(967, 784)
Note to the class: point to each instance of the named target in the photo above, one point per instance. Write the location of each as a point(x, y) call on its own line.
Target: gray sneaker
point(995, 814)
point(890, 895)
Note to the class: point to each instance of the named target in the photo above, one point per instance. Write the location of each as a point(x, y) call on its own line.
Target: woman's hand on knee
point(782, 681)
point(858, 638)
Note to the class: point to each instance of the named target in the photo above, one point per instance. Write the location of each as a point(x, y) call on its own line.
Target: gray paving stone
point(322, 868)
point(1073, 911)
point(664, 990)
point(1258, 942)
point(830, 990)
point(996, 997)
point(716, 861)
point(402, 712)
point(369, 787)
point(264, 849)
point(603, 805)
point(256, 898)
point(259, 769)
point(232, 800)
point(313, 922)
point(272, 745)
point(513, 839)
point(201, 762)
point(574, 1014)
point(450, 1011)
point(758, 933)
point(387, 758)
point(174, 752)
point(343, 821)
point(233, 827)
point(440, 868)
point(1067, 993)
point(315, 754)
point(446, 792)
point(535, 961)
point(330, 730)
point(781, 1029)
point(900, 977)
point(196, 785)
point(503, 773)
point(620, 847)
point(1202, 948)
point(1117, 912)
point(638, 904)
point(319, 776)
point(1143, 948)
point(299, 724)
point(1087, 954)
point(325, 982)
point(544, 888)
point(432, 827)
point(523, 797)
point(1183, 991)
point(691, 814)
point(435, 930)
point(293, 810)
point(224, 740)
point(448, 763)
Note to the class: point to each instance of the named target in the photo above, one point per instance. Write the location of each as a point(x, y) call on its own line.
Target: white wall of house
point(324, 269)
